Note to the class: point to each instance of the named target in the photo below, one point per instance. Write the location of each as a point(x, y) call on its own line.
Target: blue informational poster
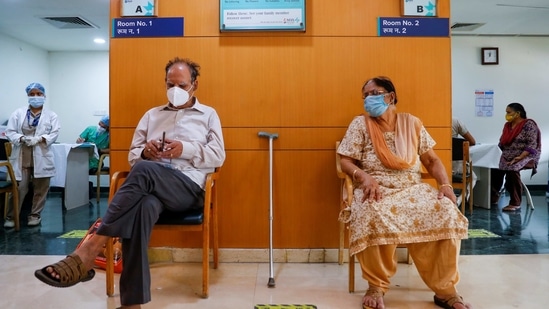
point(262, 15)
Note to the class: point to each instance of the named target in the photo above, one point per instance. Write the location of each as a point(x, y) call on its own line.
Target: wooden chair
point(10, 186)
point(463, 183)
point(346, 198)
point(101, 170)
point(204, 220)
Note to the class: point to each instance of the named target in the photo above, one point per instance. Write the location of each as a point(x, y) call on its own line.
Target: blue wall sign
point(147, 27)
point(422, 26)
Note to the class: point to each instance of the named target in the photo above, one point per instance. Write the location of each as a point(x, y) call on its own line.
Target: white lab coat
point(48, 128)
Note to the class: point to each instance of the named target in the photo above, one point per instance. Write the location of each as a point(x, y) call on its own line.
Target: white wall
point(20, 65)
point(77, 83)
point(521, 76)
point(79, 87)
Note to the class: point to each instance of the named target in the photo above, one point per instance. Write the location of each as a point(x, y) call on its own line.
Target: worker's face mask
point(178, 96)
point(375, 105)
point(100, 129)
point(36, 101)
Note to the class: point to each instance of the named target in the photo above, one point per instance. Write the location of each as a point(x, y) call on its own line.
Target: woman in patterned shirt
point(383, 152)
point(520, 145)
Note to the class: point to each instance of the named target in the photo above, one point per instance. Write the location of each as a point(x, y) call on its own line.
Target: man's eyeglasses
point(375, 92)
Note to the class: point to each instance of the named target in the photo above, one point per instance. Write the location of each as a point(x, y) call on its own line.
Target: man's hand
point(151, 150)
point(172, 149)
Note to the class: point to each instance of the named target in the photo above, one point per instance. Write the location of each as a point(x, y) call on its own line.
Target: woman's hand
point(515, 160)
point(369, 186)
point(448, 191)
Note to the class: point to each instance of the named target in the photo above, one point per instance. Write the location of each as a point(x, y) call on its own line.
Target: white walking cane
point(271, 137)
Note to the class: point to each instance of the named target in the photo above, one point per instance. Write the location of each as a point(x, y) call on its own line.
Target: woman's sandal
point(450, 302)
point(71, 271)
point(375, 294)
point(511, 208)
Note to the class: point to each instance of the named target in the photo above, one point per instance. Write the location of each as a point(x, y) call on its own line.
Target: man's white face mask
point(178, 96)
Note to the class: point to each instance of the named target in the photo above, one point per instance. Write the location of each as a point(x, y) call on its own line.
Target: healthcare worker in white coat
point(32, 130)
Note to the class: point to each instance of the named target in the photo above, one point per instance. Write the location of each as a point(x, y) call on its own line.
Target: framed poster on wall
point(262, 15)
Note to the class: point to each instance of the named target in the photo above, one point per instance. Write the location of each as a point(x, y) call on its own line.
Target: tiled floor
point(509, 270)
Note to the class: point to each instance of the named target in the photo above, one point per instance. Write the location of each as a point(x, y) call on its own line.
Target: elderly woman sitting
point(383, 152)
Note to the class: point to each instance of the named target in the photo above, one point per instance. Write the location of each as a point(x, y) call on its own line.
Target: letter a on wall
point(139, 7)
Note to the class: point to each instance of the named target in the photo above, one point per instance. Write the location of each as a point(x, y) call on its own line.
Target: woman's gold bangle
point(354, 173)
point(446, 185)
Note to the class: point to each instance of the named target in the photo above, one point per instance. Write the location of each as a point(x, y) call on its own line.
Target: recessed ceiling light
point(99, 41)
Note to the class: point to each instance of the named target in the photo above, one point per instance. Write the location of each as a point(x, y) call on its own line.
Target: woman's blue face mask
point(375, 104)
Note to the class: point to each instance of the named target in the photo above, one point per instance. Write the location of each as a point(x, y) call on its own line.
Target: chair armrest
point(116, 181)
point(348, 189)
point(100, 165)
point(346, 182)
point(10, 172)
point(340, 173)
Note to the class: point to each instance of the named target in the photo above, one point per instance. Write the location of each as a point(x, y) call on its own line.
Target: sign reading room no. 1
point(147, 27)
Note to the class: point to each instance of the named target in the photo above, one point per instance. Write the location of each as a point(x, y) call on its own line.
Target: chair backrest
point(467, 154)
point(4, 149)
point(7, 148)
point(462, 180)
point(102, 168)
point(460, 152)
point(457, 148)
point(10, 186)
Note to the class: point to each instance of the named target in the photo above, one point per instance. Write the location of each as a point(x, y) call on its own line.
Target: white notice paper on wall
point(139, 8)
point(484, 102)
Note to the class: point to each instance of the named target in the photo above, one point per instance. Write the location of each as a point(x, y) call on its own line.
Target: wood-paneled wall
point(303, 85)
